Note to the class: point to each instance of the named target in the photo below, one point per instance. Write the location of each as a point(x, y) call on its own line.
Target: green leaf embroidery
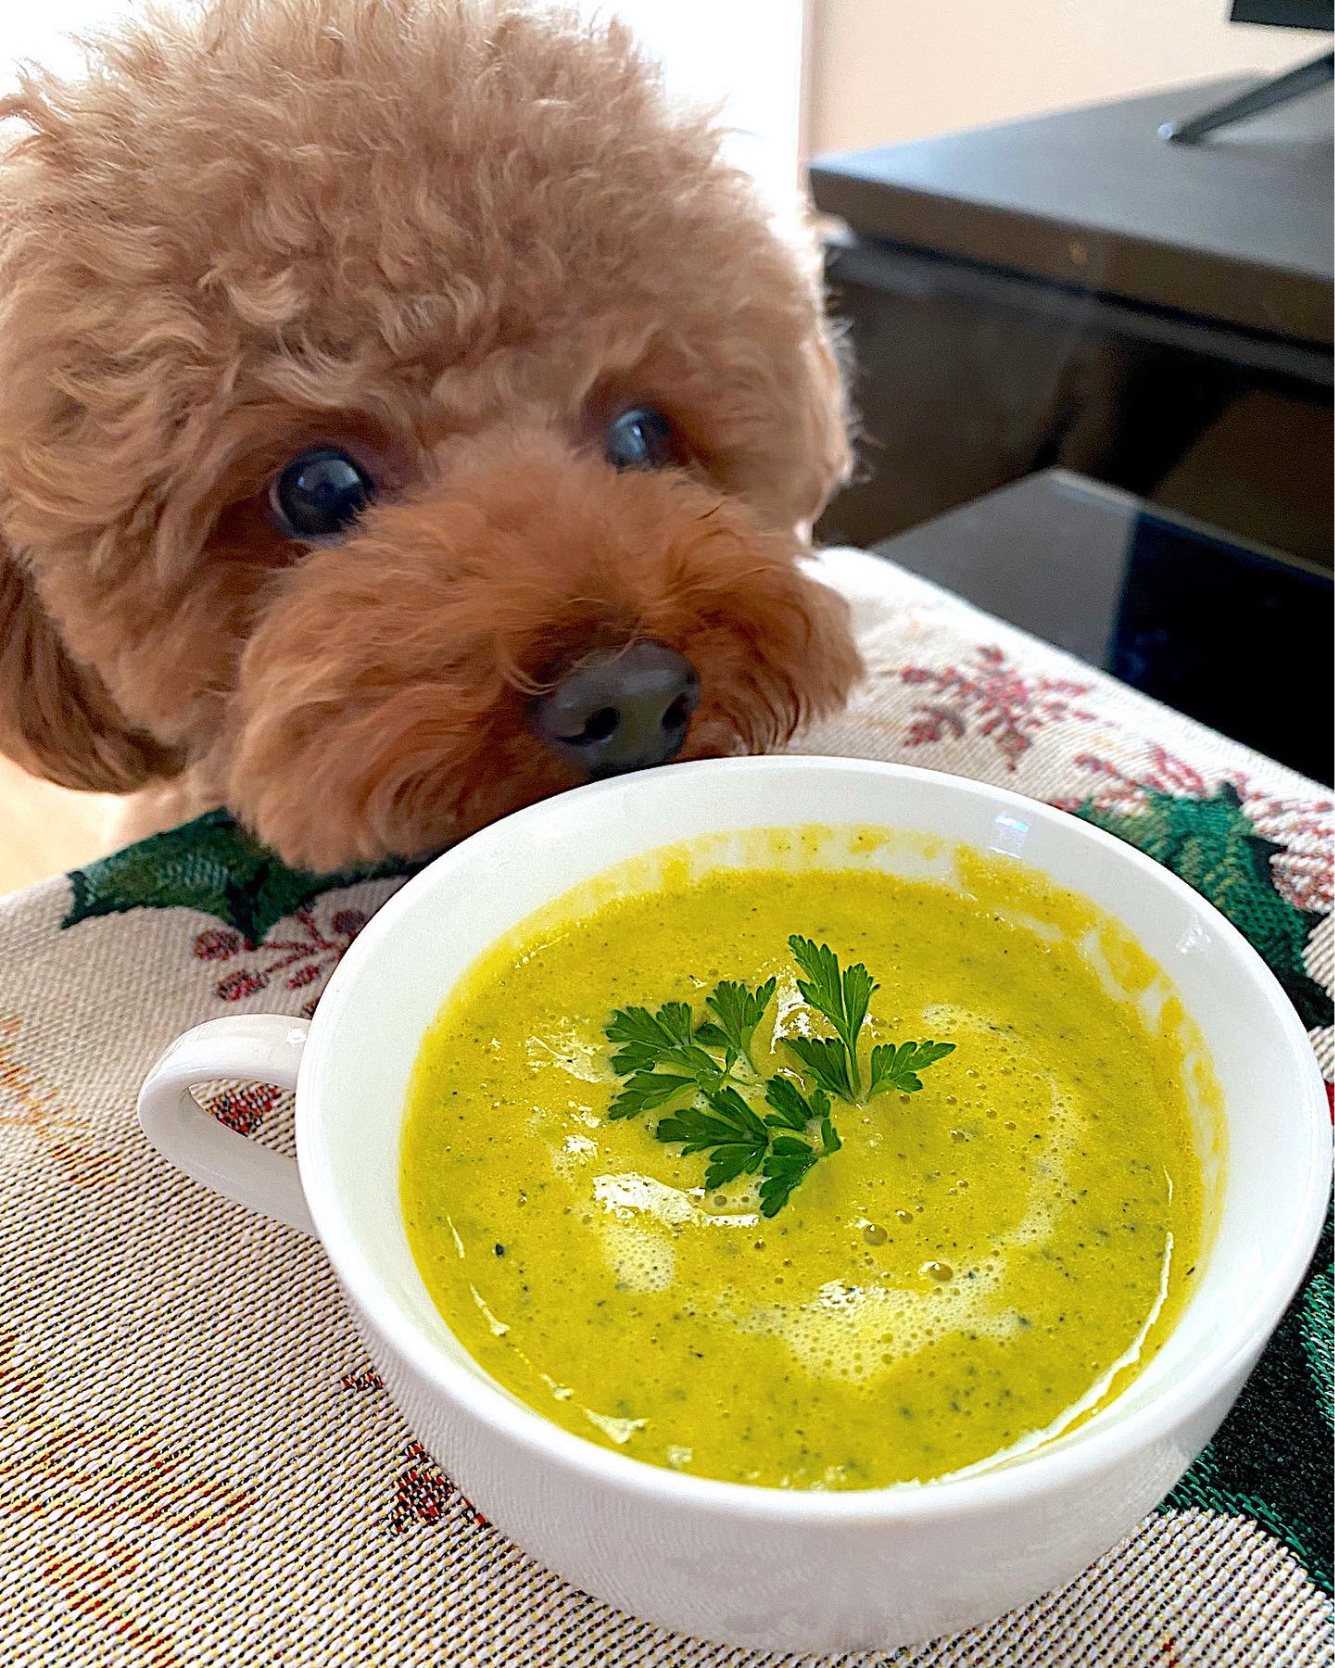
point(1316, 1329)
point(1213, 845)
point(1270, 1459)
point(211, 865)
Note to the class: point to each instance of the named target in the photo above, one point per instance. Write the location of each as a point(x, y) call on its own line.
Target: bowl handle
point(260, 1048)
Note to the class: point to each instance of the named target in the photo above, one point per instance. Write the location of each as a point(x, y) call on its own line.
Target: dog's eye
point(641, 439)
point(320, 493)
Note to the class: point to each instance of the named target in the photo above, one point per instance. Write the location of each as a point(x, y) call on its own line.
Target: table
point(1071, 289)
point(1233, 635)
point(198, 1464)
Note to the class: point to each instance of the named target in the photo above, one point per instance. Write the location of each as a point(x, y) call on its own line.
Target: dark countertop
point(1233, 635)
point(1236, 229)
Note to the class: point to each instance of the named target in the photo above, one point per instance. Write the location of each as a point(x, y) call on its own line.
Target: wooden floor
point(45, 830)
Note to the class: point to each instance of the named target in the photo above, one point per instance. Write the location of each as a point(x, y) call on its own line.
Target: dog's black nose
point(621, 712)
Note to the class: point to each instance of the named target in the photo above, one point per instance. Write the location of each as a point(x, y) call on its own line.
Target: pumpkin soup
point(893, 1266)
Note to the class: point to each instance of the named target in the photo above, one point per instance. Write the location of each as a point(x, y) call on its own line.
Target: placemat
point(197, 1463)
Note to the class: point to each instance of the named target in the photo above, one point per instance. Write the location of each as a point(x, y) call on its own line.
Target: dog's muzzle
point(620, 712)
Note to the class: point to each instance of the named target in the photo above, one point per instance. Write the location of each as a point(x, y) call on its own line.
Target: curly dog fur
point(455, 238)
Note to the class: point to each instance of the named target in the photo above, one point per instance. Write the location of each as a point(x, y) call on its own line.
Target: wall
point(743, 56)
point(42, 32)
point(883, 70)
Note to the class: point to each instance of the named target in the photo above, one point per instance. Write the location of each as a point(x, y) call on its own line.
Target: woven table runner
point(199, 1465)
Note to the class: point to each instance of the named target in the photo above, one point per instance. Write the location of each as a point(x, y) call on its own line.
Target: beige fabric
point(197, 1465)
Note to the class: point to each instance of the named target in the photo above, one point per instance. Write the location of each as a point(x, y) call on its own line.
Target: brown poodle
point(403, 415)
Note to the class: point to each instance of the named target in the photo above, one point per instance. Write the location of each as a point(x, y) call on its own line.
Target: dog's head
point(403, 416)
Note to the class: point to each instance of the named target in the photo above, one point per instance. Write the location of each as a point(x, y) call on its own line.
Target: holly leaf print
point(211, 865)
point(1270, 1459)
point(1214, 846)
point(1316, 1329)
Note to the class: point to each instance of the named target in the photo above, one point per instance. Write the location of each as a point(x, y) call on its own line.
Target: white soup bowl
point(749, 1566)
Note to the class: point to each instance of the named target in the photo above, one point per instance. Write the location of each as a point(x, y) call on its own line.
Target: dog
point(405, 414)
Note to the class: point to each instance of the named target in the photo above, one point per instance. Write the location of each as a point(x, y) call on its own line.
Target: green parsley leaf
point(666, 1038)
point(829, 1137)
point(645, 1091)
point(729, 1118)
point(738, 1011)
point(841, 996)
point(898, 1068)
point(713, 1037)
point(826, 1060)
point(730, 1131)
point(785, 1168)
point(794, 1110)
point(789, 1161)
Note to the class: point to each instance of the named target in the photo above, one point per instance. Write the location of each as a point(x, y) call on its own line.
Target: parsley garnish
point(738, 1011)
point(666, 1038)
point(647, 1090)
point(793, 1109)
point(842, 998)
point(898, 1068)
point(827, 1061)
point(789, 1159)
point(648, 1041)
point(665, 1055)
point(730, 1130)
point(787, 1165)
point(740, 1142)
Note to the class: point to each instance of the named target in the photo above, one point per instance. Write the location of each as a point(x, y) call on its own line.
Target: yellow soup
point(980, 1264)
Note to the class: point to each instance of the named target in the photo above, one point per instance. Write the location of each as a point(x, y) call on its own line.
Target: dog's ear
point(56, 717)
